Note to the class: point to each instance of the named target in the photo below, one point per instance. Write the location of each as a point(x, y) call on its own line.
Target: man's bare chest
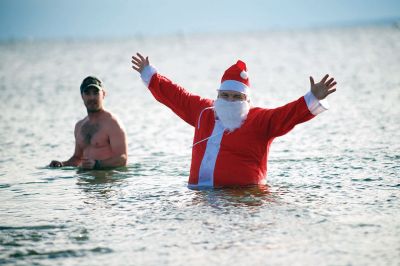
point(93, 134)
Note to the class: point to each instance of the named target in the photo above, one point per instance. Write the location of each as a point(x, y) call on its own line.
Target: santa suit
point(223, 158)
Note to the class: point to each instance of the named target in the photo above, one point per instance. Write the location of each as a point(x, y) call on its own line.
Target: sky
point(60, 19)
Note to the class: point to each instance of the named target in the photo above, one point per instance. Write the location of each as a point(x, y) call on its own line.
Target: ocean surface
point(333, 188)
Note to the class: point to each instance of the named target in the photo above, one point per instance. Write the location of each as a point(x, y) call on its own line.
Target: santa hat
point(236, 78)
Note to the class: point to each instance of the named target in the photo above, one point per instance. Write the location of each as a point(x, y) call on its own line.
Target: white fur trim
point(233, 85)
point(314, 105)
point(147, 73)
point(206, 171)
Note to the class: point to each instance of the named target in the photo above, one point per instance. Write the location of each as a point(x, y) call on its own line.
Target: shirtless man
point(100, 139)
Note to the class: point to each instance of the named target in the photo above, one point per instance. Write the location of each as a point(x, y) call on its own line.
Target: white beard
point(231, 114)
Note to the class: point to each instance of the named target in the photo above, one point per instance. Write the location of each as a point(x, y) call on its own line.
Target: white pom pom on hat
point(236, 78)
point(244, 75)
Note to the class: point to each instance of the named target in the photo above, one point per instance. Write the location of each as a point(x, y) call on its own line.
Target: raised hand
point(139, 62)
point(323, 88)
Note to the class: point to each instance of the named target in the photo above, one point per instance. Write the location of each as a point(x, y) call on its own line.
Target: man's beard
point(92, 107)
point(231, 114)
point(93, 110)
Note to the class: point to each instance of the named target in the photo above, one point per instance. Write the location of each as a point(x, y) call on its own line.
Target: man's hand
point(88, 163)
point(323, 88)
point(139, 62)
point(56, 164)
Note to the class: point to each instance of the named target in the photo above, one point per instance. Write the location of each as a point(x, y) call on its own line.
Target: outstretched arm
point(285, 118)
point(183, 103)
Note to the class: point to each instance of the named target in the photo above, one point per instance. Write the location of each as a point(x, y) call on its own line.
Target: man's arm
point(119, 149)
point(73, 161)
point(76, 158)
point(183, 103)
point(285, 118)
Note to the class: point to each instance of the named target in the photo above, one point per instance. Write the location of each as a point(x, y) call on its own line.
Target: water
point(332, 194)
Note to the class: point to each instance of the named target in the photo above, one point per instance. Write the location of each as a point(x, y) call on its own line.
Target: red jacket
point(228, 158)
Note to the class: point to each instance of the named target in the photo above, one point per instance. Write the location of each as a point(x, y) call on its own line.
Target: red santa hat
point(236, 78)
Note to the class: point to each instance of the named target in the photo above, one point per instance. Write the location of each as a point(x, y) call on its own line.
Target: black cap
point(91, 81)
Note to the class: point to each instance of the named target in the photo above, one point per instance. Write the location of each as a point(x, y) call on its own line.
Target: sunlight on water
point(332, 194)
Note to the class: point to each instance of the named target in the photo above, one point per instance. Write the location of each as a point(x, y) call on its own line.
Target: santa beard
point(231, 114)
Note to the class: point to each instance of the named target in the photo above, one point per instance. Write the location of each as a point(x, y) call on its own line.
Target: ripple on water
point(53, 254)
point(35, 227)
point(29, 242)
point(4, 186)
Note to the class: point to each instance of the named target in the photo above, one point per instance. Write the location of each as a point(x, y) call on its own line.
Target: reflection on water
point(250, 196)
point(100, 176)
point(102, 183)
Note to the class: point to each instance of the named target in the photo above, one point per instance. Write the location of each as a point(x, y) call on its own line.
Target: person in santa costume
point(231, 137)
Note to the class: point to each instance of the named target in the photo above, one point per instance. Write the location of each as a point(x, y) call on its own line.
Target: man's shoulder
point(81, 122)
point(109, 116)
point(112, 120)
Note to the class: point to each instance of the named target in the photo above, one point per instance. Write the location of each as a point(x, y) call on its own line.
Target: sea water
point(332, 194)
